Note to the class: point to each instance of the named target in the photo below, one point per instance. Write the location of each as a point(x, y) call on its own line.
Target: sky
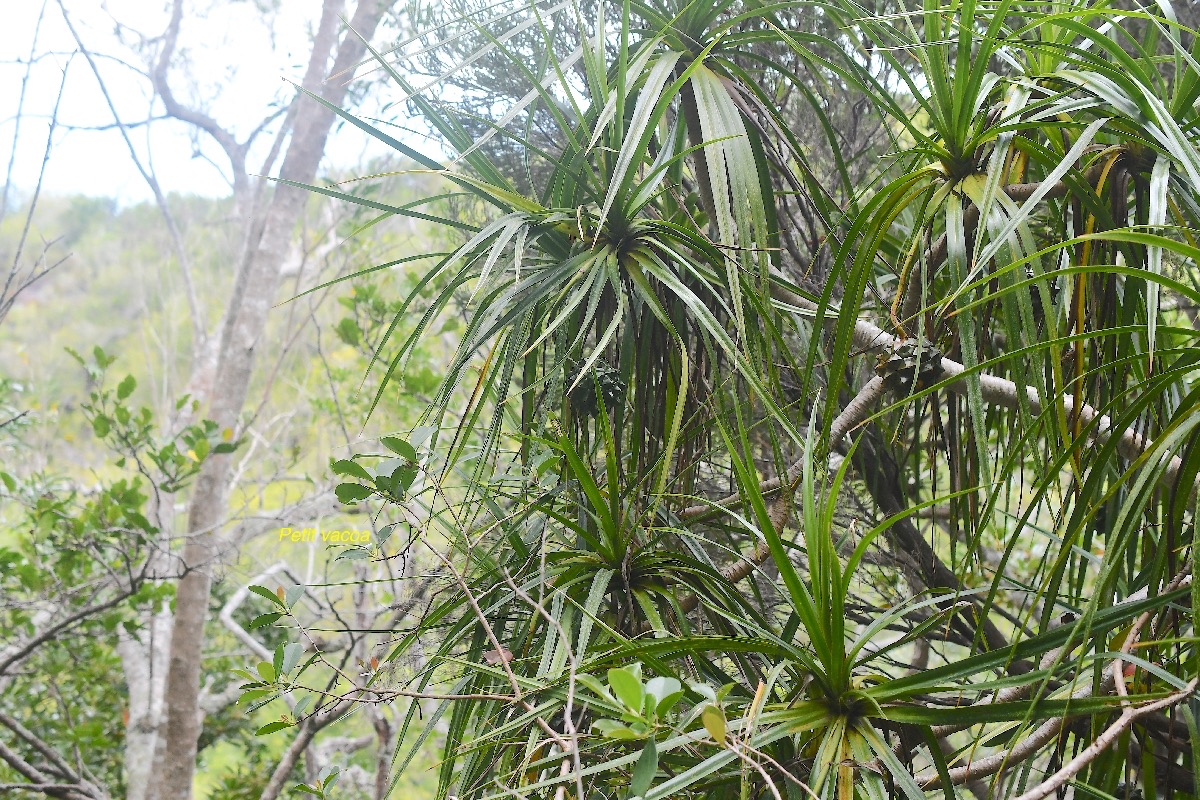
point(236, 57)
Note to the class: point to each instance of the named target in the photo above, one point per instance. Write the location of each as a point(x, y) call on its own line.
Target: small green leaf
point(291, 657)
point(660, 688)
point(404, 476)
point(351, 492)
point(302, 705)
point(349, 467)
point(126, 387)
point(293, 595)
point(386, 532)
point(254, 694)
point(644, 770)
point(266, 671)
point(384, 485)
point(713, 719)
point(611, 729)
point(349, 332)
point(264, 619)
point(352, 554)
point(595, 686)
point(271, 727)
point(263, 591)
point(101, 426)
point(667, 703)
point(399, 447)
point(627, 688)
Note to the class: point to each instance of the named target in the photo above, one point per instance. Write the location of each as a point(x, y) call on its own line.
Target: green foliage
point(81, 571)
point(392, 477)
point(94, 473)
point(638, 341)
point(134, 434)
point(324, 783)
point(641, 338)
point(249, 777)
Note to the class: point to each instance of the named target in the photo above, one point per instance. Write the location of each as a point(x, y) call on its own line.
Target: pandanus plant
point(649, 385)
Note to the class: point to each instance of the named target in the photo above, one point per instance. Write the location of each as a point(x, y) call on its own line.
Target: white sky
point(236, 55)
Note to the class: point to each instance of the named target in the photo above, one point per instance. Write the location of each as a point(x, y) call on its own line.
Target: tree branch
point(37, 744)
point(39, 778)
point(1004, 393)
point(852, 416)
point(12, 156)
point(199, 334)
point(1128, 716)
point(235, 151)
point(308, 730)
point(13, 656)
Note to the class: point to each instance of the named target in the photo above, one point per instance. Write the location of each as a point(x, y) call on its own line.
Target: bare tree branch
point(234, 150)
point(14, 655)
point(37, 744)
point(199, 334)
point(255, 286)
point(12, 156)
point(52, 789)
point(8, 294)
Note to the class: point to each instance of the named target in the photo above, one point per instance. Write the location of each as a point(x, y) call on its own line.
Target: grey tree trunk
point(145, 666)
point(257, 282)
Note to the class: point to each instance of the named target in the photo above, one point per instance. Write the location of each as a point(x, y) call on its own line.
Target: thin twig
point(573, 669)
point(7, 299)
point(12, 156)
point(199, 334)
point(1104, 740)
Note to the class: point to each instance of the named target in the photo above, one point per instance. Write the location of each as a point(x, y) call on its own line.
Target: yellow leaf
point(227, 434)
point(713, 719)
point(755, 706)
point(192, 455)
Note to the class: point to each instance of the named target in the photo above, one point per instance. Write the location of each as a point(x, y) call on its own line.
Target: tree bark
point(145, 666)
point(255, 287)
